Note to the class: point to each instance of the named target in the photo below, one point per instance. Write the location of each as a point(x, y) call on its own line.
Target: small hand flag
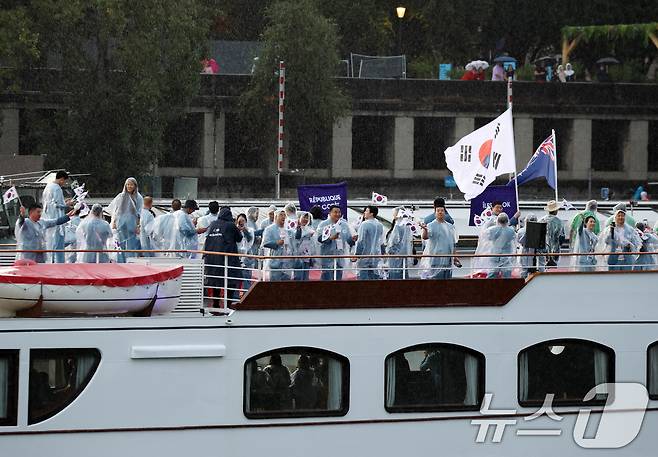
point(11, 194)
point(378, 199)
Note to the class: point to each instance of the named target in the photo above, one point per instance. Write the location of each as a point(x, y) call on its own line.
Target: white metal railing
point(218, 280)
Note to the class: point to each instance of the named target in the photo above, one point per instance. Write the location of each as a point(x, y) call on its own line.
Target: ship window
point(8, 386)
point(566, 368)
point(652, 371)
point(434, 377)
point(296, 382)
point(57, 377)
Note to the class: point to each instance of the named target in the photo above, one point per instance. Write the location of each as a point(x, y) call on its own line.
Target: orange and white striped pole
point(279, 149)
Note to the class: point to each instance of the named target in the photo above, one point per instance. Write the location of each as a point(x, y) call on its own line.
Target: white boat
point(406, 369)
point(97, 289)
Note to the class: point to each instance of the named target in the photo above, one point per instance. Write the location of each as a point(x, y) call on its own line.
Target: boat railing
point(226, 277)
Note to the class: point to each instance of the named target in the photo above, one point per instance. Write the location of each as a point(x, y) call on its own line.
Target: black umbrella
point(545, 60)
point(505, 59)
point(608, 61)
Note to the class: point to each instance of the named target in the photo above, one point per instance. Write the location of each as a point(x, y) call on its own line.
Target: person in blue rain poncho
point(584, 242)
point(125, 211)
point(54, 207)
point(186, 234)
point(499, 239)
point(244, 247)
point(441, 239)
point(278, 242)
point(270, 217)
point(164, 233)
point(147, 220)
point(335, 239)
point(93, 234)
point(649, 244)
point(369, 242)
point(399, 241)
point(620, 206)
point(619, 239)
point(30, 232)
point(304, 244)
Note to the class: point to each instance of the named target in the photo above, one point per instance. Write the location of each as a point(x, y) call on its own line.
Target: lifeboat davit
point(84, 288)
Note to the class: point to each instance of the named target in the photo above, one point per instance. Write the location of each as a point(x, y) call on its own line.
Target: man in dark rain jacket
point(223, 236)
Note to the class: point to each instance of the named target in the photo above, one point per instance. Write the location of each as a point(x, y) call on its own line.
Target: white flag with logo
point(478, 158)
point(11, 194)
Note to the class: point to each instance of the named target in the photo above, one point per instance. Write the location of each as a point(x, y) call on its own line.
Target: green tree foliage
point(306, 41)
point(127, 69)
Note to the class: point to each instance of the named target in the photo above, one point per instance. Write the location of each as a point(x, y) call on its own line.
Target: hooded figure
point(304, 244)
point(252, 224)
point(147, 221)
point(579, 219)
point(126, 210)
point(399, 241)
point(584, 242)
point(620, 207)
point(270, 217)
point(54, 207)
point(499, 239)
point(93, 234)
point(223, 236)
point(649, 244)
point(163, 236)
point(619, 239)
point(277, 239)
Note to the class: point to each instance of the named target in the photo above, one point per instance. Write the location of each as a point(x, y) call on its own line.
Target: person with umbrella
point(498, 72)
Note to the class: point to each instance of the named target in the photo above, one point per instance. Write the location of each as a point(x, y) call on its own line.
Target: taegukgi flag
point(478, 158)
point(11, 194)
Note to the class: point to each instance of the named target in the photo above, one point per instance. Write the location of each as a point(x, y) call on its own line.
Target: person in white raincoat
point(93, 234)
point(54, 207)
point(304, 244)
point(584, 242)
point(499, 239)
point(278, 242)
point(399, 241)
point(619, 239)
point(441, 239)
point(649, 244)
point(335, 237)
point(126, 211)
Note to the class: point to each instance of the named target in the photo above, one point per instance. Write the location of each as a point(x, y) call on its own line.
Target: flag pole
point(509, 106)
point(555, 161)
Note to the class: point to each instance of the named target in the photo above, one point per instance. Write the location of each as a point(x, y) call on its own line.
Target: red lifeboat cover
point(89, 274)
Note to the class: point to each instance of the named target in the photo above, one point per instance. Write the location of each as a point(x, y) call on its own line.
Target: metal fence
point(218, 280)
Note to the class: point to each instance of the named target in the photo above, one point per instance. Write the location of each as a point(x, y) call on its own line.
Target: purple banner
point(504, 194)
point(324, 196)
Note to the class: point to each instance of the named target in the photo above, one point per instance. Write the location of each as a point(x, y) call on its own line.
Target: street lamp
point(400, 10)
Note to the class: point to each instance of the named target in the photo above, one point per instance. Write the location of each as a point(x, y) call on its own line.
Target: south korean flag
point(479, 157)
point(10, 195)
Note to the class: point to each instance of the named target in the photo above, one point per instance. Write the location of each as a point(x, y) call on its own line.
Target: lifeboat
point(94, 289)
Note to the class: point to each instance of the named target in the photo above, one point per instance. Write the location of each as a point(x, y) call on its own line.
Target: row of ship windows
point(308, 382)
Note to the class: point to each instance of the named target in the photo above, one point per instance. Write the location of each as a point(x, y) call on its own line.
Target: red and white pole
point(279, 150)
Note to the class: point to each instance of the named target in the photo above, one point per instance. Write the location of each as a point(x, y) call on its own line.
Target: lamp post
point(400, 10)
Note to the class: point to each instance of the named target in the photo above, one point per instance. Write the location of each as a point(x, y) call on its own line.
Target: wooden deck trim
point(410, 293)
